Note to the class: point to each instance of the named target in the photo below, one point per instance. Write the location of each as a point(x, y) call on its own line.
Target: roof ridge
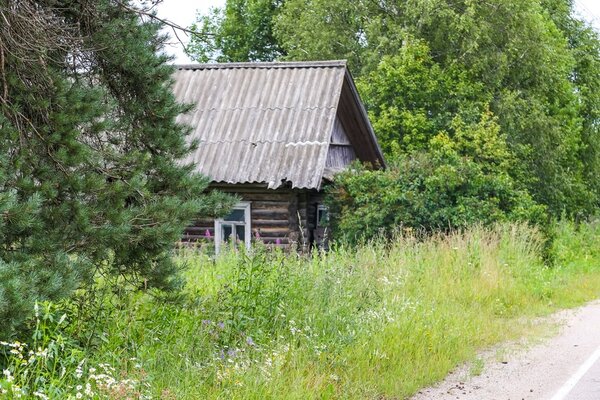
point(262, 141)
point(267, 65)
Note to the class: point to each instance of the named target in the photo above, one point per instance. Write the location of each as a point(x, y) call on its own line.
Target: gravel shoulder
point(526, 370)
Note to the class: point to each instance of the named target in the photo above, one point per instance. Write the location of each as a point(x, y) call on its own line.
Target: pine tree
point(90, 177)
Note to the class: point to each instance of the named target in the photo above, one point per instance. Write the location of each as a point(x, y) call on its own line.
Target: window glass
point(226, 232)
point(237, 215)
point(240, 231)
point(322, 215)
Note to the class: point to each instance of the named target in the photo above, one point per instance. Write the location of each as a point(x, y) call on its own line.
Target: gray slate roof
point(261, 122)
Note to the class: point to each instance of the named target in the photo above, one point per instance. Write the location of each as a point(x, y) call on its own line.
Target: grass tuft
point(378, 321)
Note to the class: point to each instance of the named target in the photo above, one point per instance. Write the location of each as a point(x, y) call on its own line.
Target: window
point(322, 215)
point(235, 227)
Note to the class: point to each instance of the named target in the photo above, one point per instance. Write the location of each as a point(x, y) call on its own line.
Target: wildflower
point(79, 369)
point(278, 241)
point(207, 233)
point(40, 395)
point(8, 375)
point(250, 342)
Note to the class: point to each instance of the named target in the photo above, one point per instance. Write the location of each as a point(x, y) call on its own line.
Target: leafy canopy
point(422, 63)
point(457, 183)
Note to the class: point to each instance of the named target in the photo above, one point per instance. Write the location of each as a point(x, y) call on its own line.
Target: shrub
point(459, 182)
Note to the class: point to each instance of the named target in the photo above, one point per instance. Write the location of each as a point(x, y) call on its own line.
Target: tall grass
point(377, 321)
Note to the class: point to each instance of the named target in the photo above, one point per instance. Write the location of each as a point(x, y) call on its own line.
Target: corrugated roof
point(261, 122)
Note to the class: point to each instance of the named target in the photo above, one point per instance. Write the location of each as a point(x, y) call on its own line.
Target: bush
point(459, 182)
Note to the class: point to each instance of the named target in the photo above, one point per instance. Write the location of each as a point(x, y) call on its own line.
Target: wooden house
point(275, 134)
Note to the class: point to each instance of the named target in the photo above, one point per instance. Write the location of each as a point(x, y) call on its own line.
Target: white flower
point(40, 395)
point(8, 375)
point(79, 395)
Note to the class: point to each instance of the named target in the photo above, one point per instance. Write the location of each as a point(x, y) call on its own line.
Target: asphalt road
point(586, 387)
point(565, 366)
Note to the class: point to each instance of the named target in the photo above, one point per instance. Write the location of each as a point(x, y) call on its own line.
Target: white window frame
point(321, 207)
point(219, 222)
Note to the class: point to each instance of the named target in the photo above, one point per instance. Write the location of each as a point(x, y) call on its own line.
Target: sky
point(183, 13)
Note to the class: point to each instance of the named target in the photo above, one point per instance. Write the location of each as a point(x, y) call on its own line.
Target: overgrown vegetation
point(458, 183)
point(528, 70)
point(379, 320)
point(488, 113)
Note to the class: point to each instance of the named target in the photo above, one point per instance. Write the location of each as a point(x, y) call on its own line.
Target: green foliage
point(253, 299)
point(401, 313)
point(462, 180)
point(54, 366)
point(241, 31)
point(90, 177)
point(422, 63)
point(333, 29)
point(431, 98)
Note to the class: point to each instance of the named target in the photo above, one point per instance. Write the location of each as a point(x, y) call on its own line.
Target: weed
point(376, 321)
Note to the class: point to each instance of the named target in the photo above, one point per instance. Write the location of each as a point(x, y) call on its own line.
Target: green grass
point(378, 321)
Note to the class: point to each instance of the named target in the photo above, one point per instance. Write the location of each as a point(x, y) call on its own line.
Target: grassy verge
point(378, 321)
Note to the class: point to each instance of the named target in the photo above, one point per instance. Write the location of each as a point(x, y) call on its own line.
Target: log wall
point(283, 216)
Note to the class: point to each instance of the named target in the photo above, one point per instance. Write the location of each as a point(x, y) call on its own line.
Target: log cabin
point(274, 134)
